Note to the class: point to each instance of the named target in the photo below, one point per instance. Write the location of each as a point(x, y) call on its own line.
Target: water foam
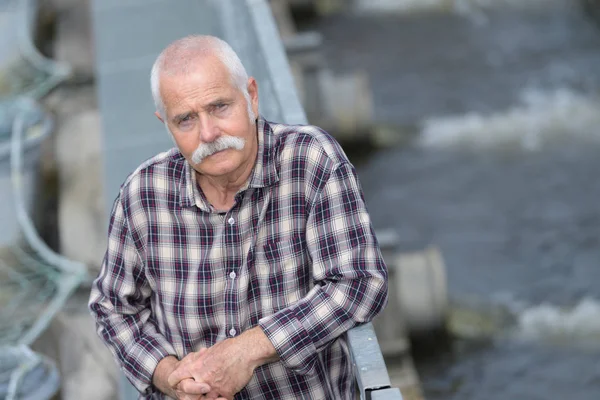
point(464, 7)
point(504, 316)
point(576, 325)
point(402, 6)
point(538, 118)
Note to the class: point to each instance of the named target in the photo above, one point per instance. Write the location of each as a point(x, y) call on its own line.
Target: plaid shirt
point(296, 255)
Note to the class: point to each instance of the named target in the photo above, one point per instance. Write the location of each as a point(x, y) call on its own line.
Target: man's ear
point(159, 117)
point(253, 91)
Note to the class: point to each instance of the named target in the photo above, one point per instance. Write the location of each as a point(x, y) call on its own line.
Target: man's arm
point(119, 302)
point(163, 370)
point(348, 268)
point(257, 347)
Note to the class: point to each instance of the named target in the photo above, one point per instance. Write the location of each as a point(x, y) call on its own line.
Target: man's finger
point(182, 372)
point(190, 386)
point(178, 375)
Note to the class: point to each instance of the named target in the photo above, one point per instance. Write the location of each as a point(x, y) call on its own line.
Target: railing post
point(371, 373)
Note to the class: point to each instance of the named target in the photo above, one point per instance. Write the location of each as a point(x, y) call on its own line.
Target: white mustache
point(222, 143)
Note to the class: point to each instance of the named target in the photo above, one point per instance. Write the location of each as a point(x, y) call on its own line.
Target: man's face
point(209, 120)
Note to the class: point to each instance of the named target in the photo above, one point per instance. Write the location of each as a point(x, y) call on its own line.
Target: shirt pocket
point(283, 250)
point(283, 272)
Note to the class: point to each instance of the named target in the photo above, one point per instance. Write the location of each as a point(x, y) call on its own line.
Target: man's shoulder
point(161, 169)
point(308, 142)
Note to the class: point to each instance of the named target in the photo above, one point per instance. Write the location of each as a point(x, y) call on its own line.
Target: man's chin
point(215, 166)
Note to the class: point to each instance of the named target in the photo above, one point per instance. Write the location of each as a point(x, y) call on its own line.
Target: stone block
point(82, 218)
point(74, 43)
point(87, 368)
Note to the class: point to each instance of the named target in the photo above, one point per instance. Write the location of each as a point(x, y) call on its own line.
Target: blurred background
point(474, 126)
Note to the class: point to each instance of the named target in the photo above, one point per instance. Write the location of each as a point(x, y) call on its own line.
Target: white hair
point(180, 57)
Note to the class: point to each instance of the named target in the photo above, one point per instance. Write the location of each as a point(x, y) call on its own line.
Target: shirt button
point(231, 221)
point(232, 275)
point(232, 332)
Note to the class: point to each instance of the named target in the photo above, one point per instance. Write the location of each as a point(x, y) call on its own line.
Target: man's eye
point(220, 106)
point(186, 122)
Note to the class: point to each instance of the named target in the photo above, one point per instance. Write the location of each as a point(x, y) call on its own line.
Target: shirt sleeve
point(120, 304)
point(349, 271)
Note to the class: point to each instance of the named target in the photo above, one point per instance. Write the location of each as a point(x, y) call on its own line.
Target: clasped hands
point(217, 372)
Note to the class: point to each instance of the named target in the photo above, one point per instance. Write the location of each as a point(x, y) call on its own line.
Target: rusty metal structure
point(35, 282)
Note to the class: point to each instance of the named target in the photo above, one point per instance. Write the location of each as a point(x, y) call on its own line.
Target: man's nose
point(209, 130)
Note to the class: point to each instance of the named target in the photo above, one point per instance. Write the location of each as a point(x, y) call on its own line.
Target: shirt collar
point(263, 174)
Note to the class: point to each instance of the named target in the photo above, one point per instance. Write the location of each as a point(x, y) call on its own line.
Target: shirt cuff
point(292, 342)
point(143, 359)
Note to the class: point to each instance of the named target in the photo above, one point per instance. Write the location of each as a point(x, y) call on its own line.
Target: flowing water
point(503, 101)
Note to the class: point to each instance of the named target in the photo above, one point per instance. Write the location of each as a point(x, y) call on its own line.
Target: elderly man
point(236, 261)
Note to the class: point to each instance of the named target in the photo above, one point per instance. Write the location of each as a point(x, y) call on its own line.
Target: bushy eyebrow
point(217, 102)
point(180, 117)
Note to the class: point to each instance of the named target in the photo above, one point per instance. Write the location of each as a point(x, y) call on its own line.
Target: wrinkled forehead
point(206, 71)
point(195, 91)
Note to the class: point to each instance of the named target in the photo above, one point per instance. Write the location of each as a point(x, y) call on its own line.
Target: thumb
point(191, 386)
